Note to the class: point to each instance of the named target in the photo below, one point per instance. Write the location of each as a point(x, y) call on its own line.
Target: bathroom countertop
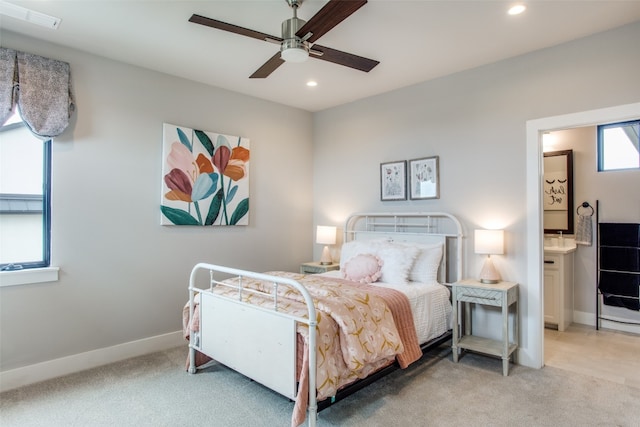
point(560, 249)
point(552, 246)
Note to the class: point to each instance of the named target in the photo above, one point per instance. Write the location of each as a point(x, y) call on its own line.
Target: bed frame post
point(312, 409)
point(192, 350)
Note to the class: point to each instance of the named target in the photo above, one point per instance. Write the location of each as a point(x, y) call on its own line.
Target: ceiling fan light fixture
point(294, 51)
point(293, 48)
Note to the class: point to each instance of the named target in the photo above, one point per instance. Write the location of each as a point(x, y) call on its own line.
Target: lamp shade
point(490, 242)
point(326, 235)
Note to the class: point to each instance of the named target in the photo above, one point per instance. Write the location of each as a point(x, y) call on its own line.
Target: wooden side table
point(316, 267)
point(504, 295)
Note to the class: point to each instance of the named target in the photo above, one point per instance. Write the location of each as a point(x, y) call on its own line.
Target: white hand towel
point(584, 232)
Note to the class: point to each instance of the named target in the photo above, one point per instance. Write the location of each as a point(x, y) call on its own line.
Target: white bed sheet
point(430, 305)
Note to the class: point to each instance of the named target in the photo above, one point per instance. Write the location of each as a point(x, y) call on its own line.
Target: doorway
point(533, 352)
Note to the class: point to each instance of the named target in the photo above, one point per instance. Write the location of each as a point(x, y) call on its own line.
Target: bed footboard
point(256, 341)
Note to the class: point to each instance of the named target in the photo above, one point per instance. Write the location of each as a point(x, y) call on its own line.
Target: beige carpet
point(155, 390)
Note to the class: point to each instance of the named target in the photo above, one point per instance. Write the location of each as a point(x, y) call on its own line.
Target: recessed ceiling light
point(312, 83)
point(29, 15)
point(517, 9)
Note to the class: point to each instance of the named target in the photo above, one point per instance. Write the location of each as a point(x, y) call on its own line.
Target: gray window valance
point(40, 88)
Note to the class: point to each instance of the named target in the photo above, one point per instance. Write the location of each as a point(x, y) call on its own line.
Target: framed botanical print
point(393, 180)
point(424, 181)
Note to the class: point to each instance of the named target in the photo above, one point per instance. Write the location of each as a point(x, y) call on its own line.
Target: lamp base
point(326, 257)
point(489, 274)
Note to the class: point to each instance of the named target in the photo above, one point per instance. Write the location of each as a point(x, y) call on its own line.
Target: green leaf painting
point(203, 183)
point(178, 217)
point(241, 210)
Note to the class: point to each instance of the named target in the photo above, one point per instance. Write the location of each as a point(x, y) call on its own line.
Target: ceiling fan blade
point(268, 67)
point(328, 17)
point(344, 58)
point(214, 23)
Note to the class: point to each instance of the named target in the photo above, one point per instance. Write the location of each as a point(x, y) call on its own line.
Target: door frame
point(532, 353)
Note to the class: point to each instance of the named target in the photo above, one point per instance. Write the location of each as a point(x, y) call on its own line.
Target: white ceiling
point(414, 40)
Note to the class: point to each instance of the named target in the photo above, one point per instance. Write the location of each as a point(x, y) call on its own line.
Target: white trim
point(532, 351)
point(79, 362)
point(590, 320)
point(29, 276)
point(620, 327)
point(584, 318)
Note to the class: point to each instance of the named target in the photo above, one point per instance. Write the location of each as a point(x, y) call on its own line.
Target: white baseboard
point(590, 319)
point(584, 318)
point(91, 359)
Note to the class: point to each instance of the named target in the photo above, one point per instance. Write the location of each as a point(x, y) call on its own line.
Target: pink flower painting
point(205, 178)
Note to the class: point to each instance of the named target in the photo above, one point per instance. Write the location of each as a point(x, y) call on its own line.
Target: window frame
point(600, 144)
point(46, 210)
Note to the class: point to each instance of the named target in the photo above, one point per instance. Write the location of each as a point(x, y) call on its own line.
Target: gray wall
point(476, 122)
point(123, 276)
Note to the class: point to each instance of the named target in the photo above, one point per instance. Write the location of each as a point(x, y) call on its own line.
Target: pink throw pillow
point(363, 268)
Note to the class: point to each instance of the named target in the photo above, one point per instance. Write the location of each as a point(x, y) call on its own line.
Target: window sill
point(29, 276)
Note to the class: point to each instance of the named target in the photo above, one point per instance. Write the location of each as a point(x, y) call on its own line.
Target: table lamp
point(489, 242)
point(326, 235)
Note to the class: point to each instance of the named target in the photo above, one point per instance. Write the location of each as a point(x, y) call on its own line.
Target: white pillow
point(351, 249)
point(357, 247)
point(397, 258)
point(397, 261)
point(427, 262)
point(425, 267)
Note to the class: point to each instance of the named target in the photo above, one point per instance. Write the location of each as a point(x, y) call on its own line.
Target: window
point(25, 215)
point(618, 146)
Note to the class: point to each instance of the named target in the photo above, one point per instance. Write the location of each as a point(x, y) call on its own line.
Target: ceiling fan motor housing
point(293, 48)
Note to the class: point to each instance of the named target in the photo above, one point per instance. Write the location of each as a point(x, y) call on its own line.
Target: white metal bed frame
point(418, 227)
point(268, 352)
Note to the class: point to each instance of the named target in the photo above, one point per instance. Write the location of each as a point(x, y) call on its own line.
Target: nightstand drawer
point(312, 269)
point(480, 296)
point(316, 267)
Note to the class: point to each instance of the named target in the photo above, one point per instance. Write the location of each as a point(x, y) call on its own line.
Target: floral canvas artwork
point(205, 178)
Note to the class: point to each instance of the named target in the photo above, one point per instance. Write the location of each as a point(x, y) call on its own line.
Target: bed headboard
point(417, 227)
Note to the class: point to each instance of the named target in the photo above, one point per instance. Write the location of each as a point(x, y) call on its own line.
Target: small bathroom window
point(619, 146)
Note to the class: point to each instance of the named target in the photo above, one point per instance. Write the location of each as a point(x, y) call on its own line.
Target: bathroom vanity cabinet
point(558, 286)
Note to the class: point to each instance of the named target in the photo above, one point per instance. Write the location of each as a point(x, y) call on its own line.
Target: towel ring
point(585, 205)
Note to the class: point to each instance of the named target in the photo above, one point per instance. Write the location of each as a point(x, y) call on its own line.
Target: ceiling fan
point(298, 37)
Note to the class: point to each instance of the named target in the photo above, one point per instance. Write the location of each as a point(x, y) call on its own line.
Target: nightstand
point(316, 267)
point(504, 295)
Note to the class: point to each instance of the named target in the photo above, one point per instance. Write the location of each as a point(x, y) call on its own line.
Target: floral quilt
point(356, 330)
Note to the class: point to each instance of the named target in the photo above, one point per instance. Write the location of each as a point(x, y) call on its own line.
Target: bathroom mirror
point(558, 192)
